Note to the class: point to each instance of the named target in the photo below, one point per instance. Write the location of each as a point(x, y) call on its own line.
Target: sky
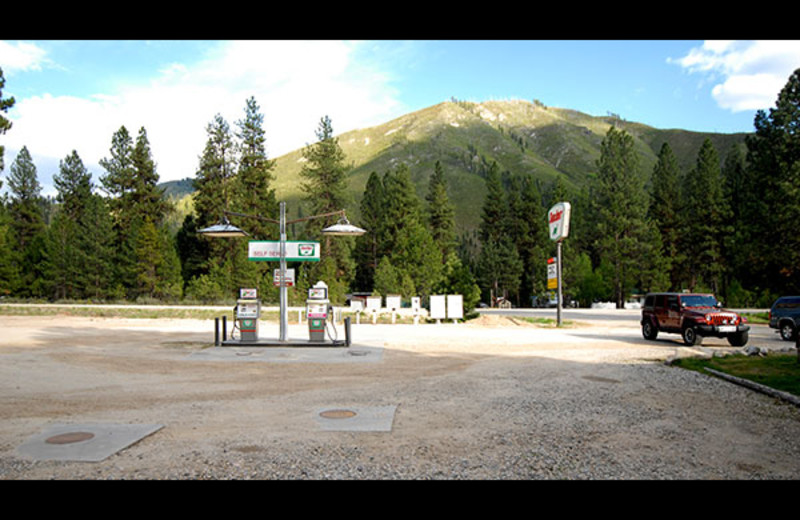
point(75, 94)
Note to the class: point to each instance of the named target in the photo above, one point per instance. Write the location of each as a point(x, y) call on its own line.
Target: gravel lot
point(492, 399)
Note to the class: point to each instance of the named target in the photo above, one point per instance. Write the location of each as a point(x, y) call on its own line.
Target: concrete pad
point(84, 442)
point(356, 419)
point(352, 354)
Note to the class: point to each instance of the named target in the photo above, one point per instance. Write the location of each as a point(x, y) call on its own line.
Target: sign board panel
point(415, 304)
point(455, 306)
point(357, 305)
point(393, 302)
point(248, 294)
point(288, 278)
point(558, 220)
point(270, 251)
point(438, 307)
point(374, 303)
point(552, 274)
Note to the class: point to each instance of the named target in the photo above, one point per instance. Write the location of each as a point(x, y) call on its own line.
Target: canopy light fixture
point(223, 229)
point(343, 228)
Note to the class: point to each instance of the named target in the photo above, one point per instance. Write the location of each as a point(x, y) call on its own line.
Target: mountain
point(524, 137)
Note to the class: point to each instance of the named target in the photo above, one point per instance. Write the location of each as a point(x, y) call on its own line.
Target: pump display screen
point(318, 293)
point(247, 310)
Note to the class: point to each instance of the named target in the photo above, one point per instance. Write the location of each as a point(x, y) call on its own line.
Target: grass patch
point(780, 371)
point(761, 318)
point(546, 322)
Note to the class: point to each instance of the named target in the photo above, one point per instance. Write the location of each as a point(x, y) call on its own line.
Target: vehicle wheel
point(649, 331)
point(787, 331)
point(690, 336)
point(739, 340)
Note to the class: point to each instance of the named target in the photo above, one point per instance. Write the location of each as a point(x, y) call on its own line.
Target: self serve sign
point(558, 220)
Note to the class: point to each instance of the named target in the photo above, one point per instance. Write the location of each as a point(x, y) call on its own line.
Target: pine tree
point(147, 201)
point(405, 239)
point(441, 212)
point(254, 192)
point(621, 205)
point(773, 181)
point(212, 198)
point(96, 248)
point(704, 213)
point(27, 224)
point(366, 252)
point(213, 178)
point(73, 183)
point(665, 211)
point(5, 124)
point(324, 176)
point(534, 244)
point(493, 216)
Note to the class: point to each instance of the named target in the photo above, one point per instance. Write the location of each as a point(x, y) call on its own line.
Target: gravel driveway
point(492, 399)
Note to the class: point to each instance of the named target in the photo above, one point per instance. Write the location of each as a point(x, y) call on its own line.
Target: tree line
point(724, 226)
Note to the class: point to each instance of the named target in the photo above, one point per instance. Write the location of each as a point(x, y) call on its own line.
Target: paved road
point(759, 334)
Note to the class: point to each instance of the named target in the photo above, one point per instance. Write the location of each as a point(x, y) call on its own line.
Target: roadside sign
point(288, 278)
point(270, 251)
point(558, 220)
point(552, 273)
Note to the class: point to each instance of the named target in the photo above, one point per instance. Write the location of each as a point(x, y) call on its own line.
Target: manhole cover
point(70, 438)
point(337, 414)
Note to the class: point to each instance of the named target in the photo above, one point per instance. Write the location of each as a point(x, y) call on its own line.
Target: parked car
point(693, 316)
point(784, 315)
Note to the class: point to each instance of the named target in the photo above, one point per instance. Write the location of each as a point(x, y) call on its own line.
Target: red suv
point(693, 316)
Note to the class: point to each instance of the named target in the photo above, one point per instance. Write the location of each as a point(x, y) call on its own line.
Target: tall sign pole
point(558, 221)
point(284, 297)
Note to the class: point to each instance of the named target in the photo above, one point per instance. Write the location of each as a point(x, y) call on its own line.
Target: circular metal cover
point(338, 414)
point(69, 438)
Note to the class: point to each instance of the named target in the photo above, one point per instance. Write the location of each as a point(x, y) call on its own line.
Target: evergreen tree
point(366, 253)
point(118, 183)
point(773, 181)
point(704, 212)
point(147, 201)
point(405, 239)
point(254, 192)
point(27, 224)
point(441, 212)
point(5, 124)
point(664, 210)
point(62, 261)
point(73, 183)
point(96, 248)
point(533, 245)
point(213, 178)
point(324, 182)
point(493, 216)
point(621, 205)
point(734, 186)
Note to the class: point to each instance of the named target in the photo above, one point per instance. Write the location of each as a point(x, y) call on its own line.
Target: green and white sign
point(270, 251)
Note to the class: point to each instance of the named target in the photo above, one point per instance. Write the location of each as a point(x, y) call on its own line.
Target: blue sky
point(73, 95)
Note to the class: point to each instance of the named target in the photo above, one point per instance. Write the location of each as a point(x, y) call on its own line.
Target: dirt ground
point(490, 399)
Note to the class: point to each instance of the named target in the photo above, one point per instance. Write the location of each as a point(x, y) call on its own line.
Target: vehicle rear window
point(648, 300)
point(660, 300)
point(791, 302)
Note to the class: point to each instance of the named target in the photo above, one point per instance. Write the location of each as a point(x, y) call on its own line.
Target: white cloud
point(20, 56)
point(747, 75)
point(295, 83)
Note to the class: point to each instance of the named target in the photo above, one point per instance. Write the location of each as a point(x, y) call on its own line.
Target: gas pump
point(317, 310)
point(248, 311)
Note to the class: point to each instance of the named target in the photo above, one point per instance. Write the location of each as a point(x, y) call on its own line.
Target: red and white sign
point(558, 220)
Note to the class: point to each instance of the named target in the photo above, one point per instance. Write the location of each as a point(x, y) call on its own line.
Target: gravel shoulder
point(490, 399)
